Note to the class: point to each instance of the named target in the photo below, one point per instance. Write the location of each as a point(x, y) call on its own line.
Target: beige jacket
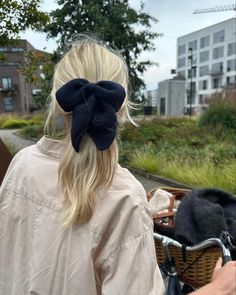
point(113, 254)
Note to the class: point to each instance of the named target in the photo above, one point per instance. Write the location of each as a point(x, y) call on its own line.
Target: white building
point(171, 97)
point(151, 96)
point(212, 51)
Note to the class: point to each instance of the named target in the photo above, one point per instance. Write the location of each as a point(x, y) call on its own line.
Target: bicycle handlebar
point(205, 244)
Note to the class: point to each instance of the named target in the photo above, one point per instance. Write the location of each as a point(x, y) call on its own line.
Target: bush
point(31, 131)
point(18, 121)
point(14, 123)
point(221, 111)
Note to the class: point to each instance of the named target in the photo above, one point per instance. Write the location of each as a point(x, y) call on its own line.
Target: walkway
point(9, 136)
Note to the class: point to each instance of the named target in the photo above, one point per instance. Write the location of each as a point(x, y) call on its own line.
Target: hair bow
point(93, 108)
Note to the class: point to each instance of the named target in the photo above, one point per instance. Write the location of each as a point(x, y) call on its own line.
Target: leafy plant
point(18, 15)
point(31, 131)
point(221, 111)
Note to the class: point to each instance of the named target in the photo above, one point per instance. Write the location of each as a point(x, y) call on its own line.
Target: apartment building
point(206, 59)
point(15, 92)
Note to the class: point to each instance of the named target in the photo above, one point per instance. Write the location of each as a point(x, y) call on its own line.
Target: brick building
point(15, 92)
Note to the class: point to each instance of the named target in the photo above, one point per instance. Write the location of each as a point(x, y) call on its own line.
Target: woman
point(72, 220)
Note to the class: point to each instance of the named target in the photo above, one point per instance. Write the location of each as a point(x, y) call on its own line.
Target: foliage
point(196, 168)
point(11, 124)
point(179, 148)
point(18, 15)
point(221, 110)
point(19, 121)
point(31, 131)
point(115, 22)
point(46, 62)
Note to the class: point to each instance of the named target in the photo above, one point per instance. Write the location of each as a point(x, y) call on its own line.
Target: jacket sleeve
point(133, 269)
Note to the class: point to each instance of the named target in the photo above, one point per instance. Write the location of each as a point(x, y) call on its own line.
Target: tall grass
point(200, 171)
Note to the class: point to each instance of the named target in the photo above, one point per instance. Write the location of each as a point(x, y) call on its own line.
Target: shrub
point(19, 121)
point(221, 111)
point(31, 131)
point(14, 123)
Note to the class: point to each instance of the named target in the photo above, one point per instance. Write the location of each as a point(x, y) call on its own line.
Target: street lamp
point(190, 57)
point(192, 67)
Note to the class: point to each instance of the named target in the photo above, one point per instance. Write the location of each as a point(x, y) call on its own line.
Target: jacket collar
point(52, 147)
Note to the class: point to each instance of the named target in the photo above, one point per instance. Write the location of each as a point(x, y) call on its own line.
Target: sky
point(175, 19)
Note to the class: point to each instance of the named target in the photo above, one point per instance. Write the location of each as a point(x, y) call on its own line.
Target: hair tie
point(93, 108)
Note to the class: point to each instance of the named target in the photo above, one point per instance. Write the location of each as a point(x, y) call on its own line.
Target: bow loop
point(93, 108)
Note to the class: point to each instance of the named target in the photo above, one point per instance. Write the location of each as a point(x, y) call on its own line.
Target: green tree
point(18, 15)
point(39, 70)
point(113, 21)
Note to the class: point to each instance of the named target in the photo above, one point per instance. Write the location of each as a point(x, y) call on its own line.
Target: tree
point(38, 69)
point(113, 21)
point(18, 15)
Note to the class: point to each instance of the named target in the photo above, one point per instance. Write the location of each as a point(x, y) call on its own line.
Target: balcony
point(216, 72)
point(188, 90)
point(10, 89)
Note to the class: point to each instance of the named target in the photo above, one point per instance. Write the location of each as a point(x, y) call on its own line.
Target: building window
point(181, 74)
point(205, 41)
point(190, 99)
point(216, 83)
point(218, 52)
point(193, 87)
point(181, 62)
point(203, 71)
point(219, 37)
point(231, 65)
point(204, 56)
point(217, 68)
point(6, 83)
point(193, 45)
point(16, 49)
point(201, 99)
point(232, 48)
point(194, 72)
point(230, 80)
point(8, 104)
point(203, 85)
point(181, 49)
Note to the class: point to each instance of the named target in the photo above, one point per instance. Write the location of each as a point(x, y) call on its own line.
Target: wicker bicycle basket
point(195, 268)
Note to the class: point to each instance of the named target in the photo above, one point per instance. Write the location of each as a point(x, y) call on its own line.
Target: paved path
point(10, 136)
point(148, 183)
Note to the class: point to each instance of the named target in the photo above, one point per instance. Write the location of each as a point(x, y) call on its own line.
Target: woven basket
point(169, 216)
point(196, 268)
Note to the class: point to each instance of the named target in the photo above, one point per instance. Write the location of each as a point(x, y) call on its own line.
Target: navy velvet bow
point(93, 108)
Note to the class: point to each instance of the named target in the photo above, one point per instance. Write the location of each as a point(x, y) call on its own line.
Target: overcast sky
point(176, 19)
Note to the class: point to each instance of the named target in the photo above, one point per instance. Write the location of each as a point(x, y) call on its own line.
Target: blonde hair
point(82, 174)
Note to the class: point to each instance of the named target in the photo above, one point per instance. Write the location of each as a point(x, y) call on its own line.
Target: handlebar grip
point(226, 259)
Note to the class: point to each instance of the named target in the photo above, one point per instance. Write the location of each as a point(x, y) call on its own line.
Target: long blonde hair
point(82, 174)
